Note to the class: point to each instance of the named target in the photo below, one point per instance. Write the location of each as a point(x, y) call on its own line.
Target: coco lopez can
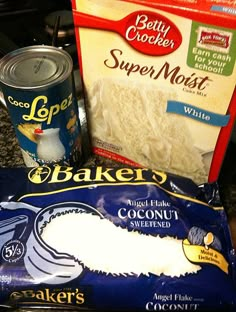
point(38, 88)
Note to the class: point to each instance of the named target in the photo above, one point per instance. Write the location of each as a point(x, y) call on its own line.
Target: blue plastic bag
point(113, 239)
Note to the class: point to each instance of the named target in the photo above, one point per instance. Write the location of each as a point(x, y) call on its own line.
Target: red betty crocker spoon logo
point(146, 31)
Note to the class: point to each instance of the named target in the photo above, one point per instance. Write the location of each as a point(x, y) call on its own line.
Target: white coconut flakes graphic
point(104, 247)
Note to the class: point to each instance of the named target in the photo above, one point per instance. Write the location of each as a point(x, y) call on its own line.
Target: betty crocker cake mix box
point(159, 80)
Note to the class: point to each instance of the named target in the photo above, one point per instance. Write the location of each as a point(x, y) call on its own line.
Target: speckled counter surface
point(10, 153)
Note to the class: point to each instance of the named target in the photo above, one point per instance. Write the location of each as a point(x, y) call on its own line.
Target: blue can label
point(47, 123)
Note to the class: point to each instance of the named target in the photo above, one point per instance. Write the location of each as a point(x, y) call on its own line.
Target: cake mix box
point(159, 80)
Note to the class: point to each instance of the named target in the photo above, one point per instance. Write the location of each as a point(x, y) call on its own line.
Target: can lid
point(35, 67)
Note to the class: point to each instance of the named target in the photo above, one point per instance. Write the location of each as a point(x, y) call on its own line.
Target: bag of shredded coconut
point(113, 239)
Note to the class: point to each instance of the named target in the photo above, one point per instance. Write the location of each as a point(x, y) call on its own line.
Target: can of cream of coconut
point(38, 87)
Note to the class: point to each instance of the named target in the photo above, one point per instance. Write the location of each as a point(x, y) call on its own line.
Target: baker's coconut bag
point(116, 239)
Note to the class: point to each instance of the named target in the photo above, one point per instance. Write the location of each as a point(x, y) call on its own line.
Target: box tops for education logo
point(214, 39)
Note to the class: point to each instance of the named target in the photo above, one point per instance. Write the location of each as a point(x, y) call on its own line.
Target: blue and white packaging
point(113, 239)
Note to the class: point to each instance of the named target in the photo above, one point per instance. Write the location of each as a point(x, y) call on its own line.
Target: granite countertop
point(10, 153)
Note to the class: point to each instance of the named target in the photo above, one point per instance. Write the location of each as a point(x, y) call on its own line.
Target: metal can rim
point(58, 61)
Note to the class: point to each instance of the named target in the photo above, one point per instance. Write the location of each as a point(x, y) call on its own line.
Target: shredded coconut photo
point(104, 247)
